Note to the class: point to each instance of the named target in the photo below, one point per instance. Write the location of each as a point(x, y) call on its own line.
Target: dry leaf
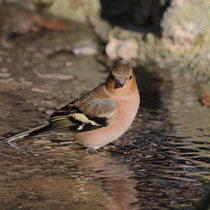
point(27, 21)
point(50, 24)
point(206, 99)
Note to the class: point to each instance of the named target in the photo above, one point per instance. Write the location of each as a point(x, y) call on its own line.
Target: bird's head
point(121, 81)
point(121, 76)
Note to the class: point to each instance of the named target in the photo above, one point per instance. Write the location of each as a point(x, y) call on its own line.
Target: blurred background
point(53, 51)
point(174, 34)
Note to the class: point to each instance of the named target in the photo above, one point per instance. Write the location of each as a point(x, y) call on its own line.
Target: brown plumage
point(100, 116)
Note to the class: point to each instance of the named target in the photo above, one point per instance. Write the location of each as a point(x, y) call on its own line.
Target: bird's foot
point(93, 150)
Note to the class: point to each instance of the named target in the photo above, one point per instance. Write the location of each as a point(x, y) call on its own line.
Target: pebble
point(36, 155)
point(49, 97)
point(41, 109)
point(8, 80)
point(26, 63)
point(30, 171)
point(9, 60)
point(12, 173)
point(48, 147)
point(60, 48)
point(66, 143)
point(68, 64)
point(39, 55)
point(4, 70)
point(6, 44)
point(85, 50)
point(48, 103)
point(47, 51)
point(30, 49)
point(25, 82)
point(41, 142)
point(49, 112)
point(4, 75)
point(39, 90)
point(124, 49)
point(56, 76)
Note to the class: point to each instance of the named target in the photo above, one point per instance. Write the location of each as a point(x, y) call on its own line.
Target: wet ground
point(162, 162)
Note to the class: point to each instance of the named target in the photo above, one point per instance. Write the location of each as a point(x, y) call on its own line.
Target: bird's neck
point(126, 92)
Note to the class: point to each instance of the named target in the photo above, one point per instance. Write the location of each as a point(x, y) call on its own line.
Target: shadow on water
point(149, 85)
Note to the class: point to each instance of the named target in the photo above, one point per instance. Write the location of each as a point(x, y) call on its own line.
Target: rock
point(4, 75)
point(86, 48)
point(121, 49)
point(41, 142)
point(185, 21)
point(21, 24)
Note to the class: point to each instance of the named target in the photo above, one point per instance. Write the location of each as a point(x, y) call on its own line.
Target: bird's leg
point(93, 150)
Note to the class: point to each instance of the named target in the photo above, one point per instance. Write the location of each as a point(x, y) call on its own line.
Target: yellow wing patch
point(82, 118)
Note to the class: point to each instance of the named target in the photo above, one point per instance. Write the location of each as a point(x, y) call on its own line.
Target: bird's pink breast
point(118, 124)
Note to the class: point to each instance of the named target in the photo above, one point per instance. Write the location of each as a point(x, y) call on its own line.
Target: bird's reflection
point(115, 179)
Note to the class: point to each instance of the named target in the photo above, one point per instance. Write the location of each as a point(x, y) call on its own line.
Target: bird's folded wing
point(80, 116)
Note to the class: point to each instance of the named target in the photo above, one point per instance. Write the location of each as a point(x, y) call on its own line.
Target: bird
point(100, 116)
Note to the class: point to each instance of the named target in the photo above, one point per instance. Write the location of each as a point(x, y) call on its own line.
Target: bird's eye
point(130, 77)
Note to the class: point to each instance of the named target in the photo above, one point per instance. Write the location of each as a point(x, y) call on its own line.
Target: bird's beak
point(119, 83)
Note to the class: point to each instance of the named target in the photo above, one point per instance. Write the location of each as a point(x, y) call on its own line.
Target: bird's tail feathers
point(32, 132)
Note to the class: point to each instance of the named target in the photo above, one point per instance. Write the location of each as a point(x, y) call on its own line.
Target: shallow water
point(162, 162)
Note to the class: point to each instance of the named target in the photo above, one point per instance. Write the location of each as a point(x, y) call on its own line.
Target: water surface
point(162, 162)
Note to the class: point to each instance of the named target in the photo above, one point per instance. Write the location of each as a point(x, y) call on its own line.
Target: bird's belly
point(119, 124)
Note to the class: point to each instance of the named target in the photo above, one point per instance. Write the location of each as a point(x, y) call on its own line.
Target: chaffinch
point(98, 117)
